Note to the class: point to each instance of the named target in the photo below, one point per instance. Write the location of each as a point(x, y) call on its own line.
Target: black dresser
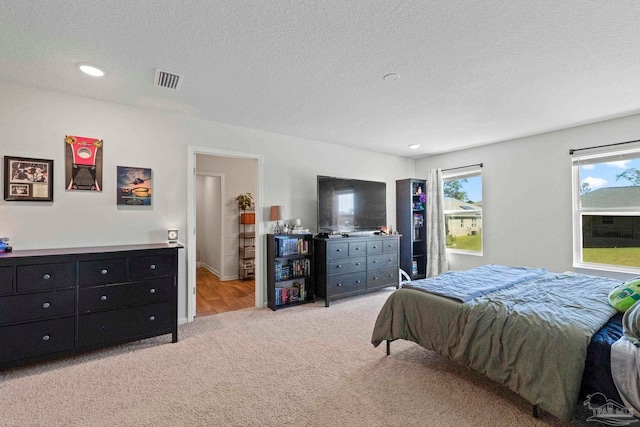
point(348, 266)
point(56, 302)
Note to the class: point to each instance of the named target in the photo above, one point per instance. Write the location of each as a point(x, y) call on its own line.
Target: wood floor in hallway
point(214, 296)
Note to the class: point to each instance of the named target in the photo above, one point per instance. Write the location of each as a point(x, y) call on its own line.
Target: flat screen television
point(351, 205)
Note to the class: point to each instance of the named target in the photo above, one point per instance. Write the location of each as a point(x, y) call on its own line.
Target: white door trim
point(192, 151)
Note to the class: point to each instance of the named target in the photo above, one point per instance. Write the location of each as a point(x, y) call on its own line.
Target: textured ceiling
point(471, 72)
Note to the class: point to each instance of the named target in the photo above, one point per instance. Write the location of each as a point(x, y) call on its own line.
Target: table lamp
point(276, 214)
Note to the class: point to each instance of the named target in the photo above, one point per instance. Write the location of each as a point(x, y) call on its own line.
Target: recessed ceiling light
point(414, 146)
point(91, 70)
point(391, 77)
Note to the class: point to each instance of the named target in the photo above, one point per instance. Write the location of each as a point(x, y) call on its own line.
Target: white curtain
point(436, 234)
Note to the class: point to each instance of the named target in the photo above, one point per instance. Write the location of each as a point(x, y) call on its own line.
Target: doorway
point(213, 284)
point(217, 290)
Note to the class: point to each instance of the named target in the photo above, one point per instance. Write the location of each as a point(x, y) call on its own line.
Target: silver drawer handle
point(46, 277)
point(153, 266)
point(104, 271)
point(390, 259)
point(46, 338)
point(375, 247)
point(357, 249)
point(46, 305)
point(338, 266)
point(152, 318)
point(103, 297)
point(152, 291)
point(357, 281)
point(375, 261)
point(375, 278)
point(339, 284)
point(338, 250)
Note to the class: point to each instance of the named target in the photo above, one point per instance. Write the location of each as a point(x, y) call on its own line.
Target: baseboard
point(217, 273)
point(211, 269)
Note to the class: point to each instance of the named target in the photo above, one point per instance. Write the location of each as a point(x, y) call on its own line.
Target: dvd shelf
point(292, 269)
point(292, 294)
point(411, 205)
point(289, 270)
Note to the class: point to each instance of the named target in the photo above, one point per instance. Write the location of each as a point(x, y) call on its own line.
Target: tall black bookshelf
point(412, 225)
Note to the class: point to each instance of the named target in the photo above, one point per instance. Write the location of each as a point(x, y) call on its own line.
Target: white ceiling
point(471, 72)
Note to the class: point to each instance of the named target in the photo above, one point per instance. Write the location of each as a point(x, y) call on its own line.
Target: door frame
point(192, 151)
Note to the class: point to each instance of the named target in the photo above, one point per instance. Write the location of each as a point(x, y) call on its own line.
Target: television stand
point(355, 265)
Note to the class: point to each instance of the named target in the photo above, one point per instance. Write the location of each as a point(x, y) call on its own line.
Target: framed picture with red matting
point(83, 163)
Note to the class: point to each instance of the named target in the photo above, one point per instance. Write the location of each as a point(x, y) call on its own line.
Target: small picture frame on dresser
point(27, 179)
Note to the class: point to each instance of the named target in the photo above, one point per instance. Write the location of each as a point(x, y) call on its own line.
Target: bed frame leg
point(534, 411)
point(389, 345)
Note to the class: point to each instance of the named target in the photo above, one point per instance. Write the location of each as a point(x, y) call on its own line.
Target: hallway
point(214, 296)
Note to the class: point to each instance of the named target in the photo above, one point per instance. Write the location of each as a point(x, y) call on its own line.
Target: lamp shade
point(277, 213)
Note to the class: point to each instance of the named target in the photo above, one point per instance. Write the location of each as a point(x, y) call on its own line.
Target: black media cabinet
point(348, 266)
point(57, 302)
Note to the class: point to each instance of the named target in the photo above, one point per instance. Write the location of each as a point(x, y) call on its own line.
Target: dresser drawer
point(20, 308)
point(124, 324)
point(36, 339)
point(381, 261)
point(149, 267)
point(40, 277)
point(358, 249)
point(123, 295)
point(374, 247)
point(103, 271)
point(6, 280)
point(346, 265)
point(390, 245)
point(346, 283)
point(382, 277)
point(337, 250)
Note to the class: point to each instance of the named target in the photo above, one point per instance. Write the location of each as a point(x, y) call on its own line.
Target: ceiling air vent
point(168, 80)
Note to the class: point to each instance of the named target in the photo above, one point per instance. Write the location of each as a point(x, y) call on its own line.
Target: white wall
point(200, 216)
point(527, 210)
point(209, 233)
point(34, 122)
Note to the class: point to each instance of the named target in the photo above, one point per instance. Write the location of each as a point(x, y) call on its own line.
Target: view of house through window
point(607, 218)
point(463, 210)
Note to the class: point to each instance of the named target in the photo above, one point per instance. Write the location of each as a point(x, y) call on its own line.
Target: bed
point(527, 329)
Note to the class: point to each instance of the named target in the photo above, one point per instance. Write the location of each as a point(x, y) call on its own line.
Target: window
point(463, 210)
point(606, 220)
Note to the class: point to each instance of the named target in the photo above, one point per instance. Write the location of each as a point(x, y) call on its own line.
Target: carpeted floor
point(302, 366)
